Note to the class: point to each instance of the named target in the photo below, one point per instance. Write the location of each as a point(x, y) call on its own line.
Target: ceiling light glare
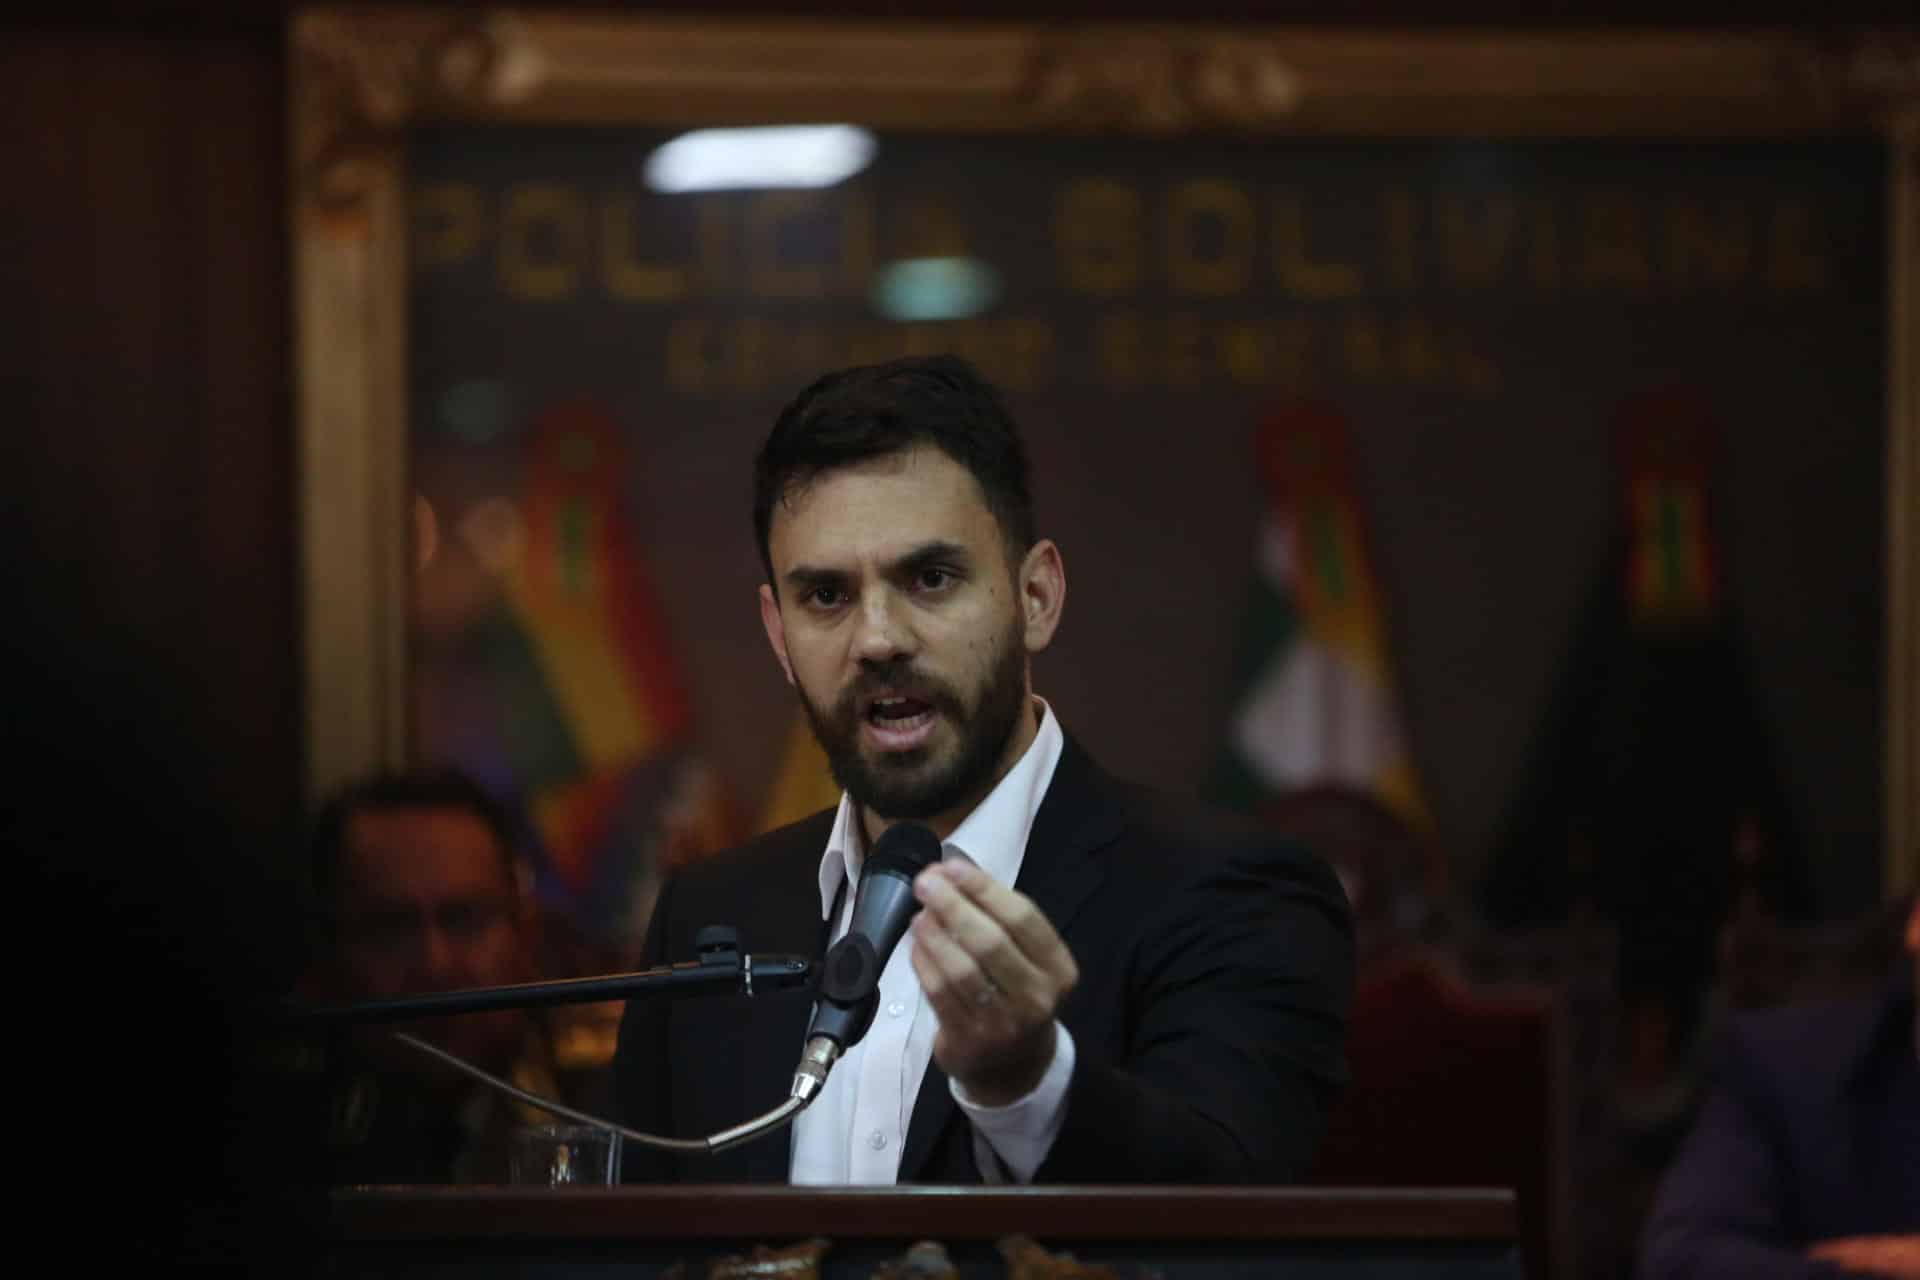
point(773, 156)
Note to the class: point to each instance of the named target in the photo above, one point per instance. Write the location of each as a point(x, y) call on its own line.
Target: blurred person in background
point(421, 888)
point(1804, 1159)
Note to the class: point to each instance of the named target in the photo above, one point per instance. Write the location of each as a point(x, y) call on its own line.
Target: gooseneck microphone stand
point(722, 969)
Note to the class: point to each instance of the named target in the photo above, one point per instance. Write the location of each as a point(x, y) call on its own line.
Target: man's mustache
point(895, 679)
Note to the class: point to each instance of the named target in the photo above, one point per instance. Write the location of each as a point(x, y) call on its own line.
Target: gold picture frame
point(361, 78)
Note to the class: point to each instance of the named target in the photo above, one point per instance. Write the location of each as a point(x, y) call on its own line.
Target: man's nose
point(442, 960)
point(881, 632)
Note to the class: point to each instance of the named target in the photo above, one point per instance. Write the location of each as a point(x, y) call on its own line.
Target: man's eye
point(460, 918)
point(384, 928)
point(932, 579)
point(825, 597)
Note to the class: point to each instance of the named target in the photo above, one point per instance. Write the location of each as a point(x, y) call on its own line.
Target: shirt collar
point(994, 835)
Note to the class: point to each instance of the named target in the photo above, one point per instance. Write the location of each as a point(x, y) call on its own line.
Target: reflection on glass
point(935, 289)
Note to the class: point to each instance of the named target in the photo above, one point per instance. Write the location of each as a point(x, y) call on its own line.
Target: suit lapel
point(1079, 816)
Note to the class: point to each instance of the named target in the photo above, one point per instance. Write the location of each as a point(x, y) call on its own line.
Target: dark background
point(147, 537)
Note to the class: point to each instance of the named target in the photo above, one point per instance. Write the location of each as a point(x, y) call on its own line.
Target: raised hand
point(995, 973)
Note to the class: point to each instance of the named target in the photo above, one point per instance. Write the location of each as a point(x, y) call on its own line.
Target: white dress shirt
point(854, 1131)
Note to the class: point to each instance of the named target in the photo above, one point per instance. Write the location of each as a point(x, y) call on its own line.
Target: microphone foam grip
point(904, 849)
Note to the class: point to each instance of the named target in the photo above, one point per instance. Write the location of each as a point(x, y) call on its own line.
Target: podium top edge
point(731, 1212)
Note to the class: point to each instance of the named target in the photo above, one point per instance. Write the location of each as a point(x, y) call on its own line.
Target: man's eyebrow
point(803, 577)
point(928, 554)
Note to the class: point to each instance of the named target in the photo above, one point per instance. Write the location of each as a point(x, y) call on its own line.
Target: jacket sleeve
point(1237, 989)
point(1722, 1207)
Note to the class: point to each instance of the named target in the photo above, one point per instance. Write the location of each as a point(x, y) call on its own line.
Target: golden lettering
point(1120, 341)
point(856, 243)
point(1299, 274)
point(1419, 351)
point(1477, 373)
point(1096, 231)
point(1293, 349)
point(628, 278)
point(1612, 247)
point(1246, 353)
point(871, 346)
point(710, 232)
point(751, 344)
point(689, 364)
point(768, 276)
point(1202, 201)
point(1364, 346)
point(806, 353)
point(1184, 343)
point(931, 229)
point(1703, 249)
point(1400, 216)
point(449, 219)
point(1477, 234)
point(533, 213)
point(1264, 354)
point(920, 340)
point(1030, 346)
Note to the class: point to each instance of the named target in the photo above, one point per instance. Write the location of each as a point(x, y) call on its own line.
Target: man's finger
point(1013, 913)
point(952, 979)
point(1027, 990)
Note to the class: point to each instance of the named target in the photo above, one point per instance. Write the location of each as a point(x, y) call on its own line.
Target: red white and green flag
point(571, 696)
point(1318, 703)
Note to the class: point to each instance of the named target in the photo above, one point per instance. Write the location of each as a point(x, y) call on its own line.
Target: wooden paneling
point(148, 457)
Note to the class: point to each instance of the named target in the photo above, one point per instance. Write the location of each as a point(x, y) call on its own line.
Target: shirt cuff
point(1019, 1135)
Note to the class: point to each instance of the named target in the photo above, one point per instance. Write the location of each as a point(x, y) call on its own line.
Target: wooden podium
point(1028, 1233)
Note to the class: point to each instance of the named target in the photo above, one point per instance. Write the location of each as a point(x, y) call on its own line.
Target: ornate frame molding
point(360, 78)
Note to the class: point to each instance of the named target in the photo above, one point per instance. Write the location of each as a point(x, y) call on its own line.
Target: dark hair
point(871, 411)
point(443, 788)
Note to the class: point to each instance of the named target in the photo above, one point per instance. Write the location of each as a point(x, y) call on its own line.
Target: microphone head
point(904, 849)
point(849, 978)
point(851, 970)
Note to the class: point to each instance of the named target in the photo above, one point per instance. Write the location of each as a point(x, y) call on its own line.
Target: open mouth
point(898, 722)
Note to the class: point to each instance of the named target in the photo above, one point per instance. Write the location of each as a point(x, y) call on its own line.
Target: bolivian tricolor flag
point(804, 785)
point(1666, 456)
point(593, 718)
point(1318, 703)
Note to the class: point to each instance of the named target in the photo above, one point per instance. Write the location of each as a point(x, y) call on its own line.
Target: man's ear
point(776, 629)
point(1043, 593)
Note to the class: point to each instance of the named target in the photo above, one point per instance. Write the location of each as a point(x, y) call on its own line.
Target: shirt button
point(897, 1008)
point(877, 1140)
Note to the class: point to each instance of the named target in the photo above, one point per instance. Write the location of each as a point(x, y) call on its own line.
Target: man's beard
point(899, 785)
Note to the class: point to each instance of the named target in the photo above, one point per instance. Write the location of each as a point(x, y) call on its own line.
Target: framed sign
point(1487, 252)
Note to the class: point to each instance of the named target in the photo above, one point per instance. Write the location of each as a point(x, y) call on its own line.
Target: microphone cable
point(721, 1141)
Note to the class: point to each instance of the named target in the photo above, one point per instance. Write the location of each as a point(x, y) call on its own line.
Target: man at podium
point(1104, 983)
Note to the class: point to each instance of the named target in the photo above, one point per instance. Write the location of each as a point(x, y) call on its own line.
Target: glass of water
point(563, 1155)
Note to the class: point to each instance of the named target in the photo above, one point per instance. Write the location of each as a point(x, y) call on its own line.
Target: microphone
point(849, 988)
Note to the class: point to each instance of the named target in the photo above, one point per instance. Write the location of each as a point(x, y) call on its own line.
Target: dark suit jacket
point(1810, 1132)
point(1216, 968)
